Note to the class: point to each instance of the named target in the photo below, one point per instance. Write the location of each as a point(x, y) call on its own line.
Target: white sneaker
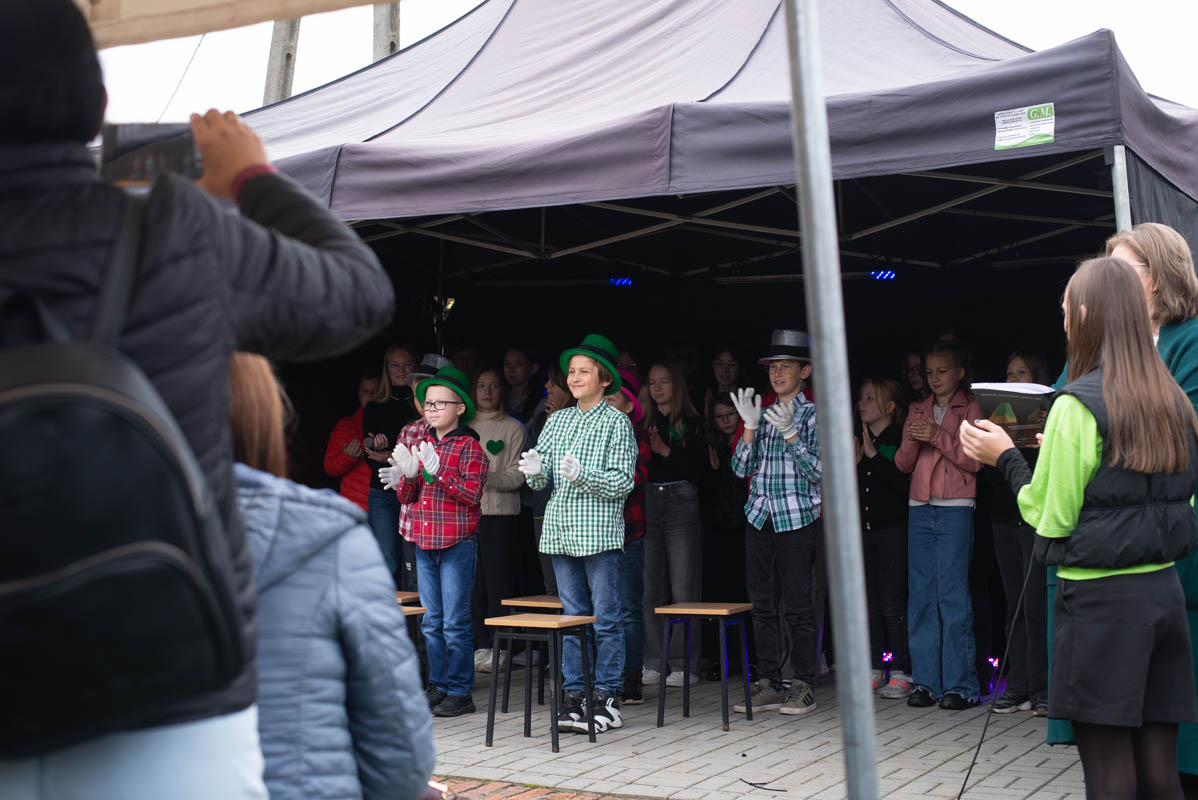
point(900, 686)
point(650, 677)
point(879, 679)
point(482, 659)
point(676, 678)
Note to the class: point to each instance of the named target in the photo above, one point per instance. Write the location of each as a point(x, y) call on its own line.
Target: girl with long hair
point(673, 544)
point(323, 591)
point(1110, 499)
point(393, 407)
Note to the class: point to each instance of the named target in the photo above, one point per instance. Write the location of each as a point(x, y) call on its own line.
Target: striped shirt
point(586, 516)
point(784, 486)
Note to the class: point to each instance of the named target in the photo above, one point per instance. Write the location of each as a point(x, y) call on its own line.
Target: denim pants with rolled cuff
point(673, 568)
point(446, 586)
point(590, 586)
point(939, 614)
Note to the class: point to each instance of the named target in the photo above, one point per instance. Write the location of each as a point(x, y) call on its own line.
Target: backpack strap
point(117, 290)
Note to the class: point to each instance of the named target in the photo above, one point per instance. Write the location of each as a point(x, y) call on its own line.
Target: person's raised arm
point(301, 285)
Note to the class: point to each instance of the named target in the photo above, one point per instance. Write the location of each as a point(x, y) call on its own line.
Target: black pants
point(724, 582)
point(495, 577)
point(778, 565)
point(1027, 632)
point(886, 592)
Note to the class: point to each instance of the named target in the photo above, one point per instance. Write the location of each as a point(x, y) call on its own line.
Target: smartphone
point(134, 155)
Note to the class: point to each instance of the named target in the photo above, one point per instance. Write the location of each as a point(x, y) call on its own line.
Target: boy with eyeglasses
point(782, 461)
point(441, 480)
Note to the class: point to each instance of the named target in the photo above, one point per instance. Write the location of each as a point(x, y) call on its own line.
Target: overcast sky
point(229, 69)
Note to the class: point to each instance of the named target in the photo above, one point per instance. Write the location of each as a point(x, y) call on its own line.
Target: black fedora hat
point(788, 345)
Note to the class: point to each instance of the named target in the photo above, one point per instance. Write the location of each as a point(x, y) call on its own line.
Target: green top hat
point(451, 378)
point(602, 350)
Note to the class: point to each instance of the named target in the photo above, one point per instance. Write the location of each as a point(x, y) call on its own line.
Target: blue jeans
point(939, 615)
point(446, 583)
point(383, 513)
point(590, 586)
point(214, 757)
point(632, 590)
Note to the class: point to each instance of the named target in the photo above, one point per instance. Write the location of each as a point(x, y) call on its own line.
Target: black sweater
point(883, 490)
point(688, 453)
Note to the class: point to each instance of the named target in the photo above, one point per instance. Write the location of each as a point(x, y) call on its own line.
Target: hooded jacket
point(283, 278)
point(341, 713)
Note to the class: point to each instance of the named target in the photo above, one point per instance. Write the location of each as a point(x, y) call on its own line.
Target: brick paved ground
point(922, 753)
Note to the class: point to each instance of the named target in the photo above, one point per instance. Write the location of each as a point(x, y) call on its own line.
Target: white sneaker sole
point(898, 694)
point(1026, 705)
point(740, 709)
point(795, 711)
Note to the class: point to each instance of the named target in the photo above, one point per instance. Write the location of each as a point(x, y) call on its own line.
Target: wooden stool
point(535, 603)
point(550, 629)
point(404, 598)
point(726, 614)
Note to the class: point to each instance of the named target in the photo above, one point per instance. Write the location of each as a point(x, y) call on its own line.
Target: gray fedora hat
point(787, 344)
point(429, 366)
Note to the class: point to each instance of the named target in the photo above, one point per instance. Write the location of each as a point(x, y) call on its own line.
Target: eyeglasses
point(628, 365)
point(441, 405)
point(718, 363)
point(781, 366)
point(726, 417)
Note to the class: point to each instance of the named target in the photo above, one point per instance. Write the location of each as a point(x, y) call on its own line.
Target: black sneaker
point(570, 712)
point(454, 706)
point(434, 697)
point(606, 714)
point(921, 698)
point(633, 695)
point(955, 702)
point(1010, 703)
point(1040, 709)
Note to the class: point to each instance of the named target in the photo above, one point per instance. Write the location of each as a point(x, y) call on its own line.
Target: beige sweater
point(502, 438)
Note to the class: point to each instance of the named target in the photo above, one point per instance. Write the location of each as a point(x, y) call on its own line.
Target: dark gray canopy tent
point(542, 143)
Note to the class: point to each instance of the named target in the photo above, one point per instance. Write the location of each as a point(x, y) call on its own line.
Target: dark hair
point(1035, 365)
point(528, 404)
point(1152, 421)
point(52, 89)
point(498, 371)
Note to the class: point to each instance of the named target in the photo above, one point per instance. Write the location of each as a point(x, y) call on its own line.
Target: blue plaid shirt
point(784, 485)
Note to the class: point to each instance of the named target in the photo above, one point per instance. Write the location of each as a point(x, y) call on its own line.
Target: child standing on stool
point(940, 536)
point(442, 480)
point(589, 452)
point(782, 516)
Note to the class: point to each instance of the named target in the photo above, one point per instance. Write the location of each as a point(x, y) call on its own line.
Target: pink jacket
point(941, 468)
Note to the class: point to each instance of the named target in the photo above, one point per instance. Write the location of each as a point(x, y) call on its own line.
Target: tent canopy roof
point(530, 103)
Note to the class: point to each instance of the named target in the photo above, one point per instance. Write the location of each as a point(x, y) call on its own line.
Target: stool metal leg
point(587, 686)
point(744, 663)
point(555, 686)
point(494, 684)
point(724, 670)
point(507, 672)
point(686, 670)
point(528, 693)
point(543, 650)
point(661, 680)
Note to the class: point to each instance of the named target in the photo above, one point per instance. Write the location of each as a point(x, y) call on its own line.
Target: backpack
point(116, 578)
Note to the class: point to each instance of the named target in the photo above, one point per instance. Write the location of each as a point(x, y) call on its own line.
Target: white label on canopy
point(1024, 127)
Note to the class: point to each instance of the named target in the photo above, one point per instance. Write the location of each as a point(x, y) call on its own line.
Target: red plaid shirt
point(634, 506)
point(412, 434)
point(447, 510)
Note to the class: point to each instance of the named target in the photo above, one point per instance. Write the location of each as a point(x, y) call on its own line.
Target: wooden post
point(386, 30)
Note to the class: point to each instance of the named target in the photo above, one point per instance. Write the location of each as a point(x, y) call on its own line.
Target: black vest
point(1127, 518)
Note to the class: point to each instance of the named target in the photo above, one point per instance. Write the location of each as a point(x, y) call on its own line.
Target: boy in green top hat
point(589, 453)
point(441, 480)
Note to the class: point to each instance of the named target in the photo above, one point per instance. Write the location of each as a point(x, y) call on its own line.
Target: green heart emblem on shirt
point(495, 446)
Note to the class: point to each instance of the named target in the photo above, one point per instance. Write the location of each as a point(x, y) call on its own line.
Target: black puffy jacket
point(283, 278)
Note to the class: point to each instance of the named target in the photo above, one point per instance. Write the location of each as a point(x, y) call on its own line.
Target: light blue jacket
point(341, 711)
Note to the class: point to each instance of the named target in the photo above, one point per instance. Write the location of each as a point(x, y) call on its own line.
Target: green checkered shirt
point(586, 516)
point(784, 486)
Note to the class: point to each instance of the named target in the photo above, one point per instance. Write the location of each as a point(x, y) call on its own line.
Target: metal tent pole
point(280, 66)
point(825, 319)
point(386, 29)
point(1119, 184)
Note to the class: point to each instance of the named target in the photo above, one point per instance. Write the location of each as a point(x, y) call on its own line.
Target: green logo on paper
point(1040, 112)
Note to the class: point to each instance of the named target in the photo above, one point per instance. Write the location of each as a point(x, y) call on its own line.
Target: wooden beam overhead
point(119, 22)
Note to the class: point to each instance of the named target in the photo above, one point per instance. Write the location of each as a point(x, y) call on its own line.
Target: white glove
point(530, 462)
point(571, 468)
point(748, 405)
point(781, 416)
point(389, 476)
point(405, 461)
point(429, 458)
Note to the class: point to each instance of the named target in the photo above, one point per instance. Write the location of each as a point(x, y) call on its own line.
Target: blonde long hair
point(258, 414)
